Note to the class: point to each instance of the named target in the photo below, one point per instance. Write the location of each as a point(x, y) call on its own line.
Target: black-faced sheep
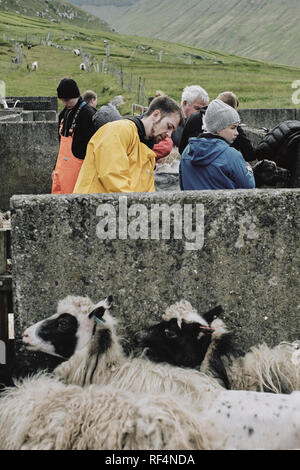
point(226, 419)
point(181, 340)
point(95, 355)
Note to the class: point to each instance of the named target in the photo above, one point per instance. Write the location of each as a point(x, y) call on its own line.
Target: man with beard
point(120, 157)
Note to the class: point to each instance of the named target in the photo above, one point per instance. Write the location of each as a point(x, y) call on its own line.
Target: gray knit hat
point(219, 115)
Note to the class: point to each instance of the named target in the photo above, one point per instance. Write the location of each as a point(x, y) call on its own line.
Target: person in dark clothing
point(194, 127)
point(75, 129)
point(90, 97)
point(193, 98)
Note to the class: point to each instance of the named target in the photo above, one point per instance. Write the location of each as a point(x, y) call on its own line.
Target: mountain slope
point(55, 11)
point(263, 29)
point(136, 67)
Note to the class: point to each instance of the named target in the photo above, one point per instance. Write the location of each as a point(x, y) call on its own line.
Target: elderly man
point(120, 157)
point(193, 99)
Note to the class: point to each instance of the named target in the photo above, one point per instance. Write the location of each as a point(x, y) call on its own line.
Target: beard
point(154, 139)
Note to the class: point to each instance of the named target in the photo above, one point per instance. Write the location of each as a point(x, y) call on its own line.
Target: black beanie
point(68, 89)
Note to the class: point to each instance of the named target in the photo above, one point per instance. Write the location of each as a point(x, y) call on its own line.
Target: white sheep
point(82, 66)
point(34, 65)
point(202, 341)
point(42, 413)
point(243, 419)
point(102, 360)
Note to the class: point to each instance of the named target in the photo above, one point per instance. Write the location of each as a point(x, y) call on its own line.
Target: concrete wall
point(20, 115)
point(33, 102)
point(268, 118)
point(28, 154)
point(246, 258)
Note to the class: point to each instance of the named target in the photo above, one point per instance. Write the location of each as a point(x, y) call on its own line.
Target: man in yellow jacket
point(119, 156)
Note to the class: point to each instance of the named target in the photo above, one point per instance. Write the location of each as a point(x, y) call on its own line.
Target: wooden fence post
point(144, 88)
point(139, 91)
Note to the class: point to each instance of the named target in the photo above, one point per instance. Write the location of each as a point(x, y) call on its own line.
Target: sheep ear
point(212, 314)
point(97, 313)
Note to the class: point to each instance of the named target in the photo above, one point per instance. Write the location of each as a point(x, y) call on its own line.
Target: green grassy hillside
point(53, 10)
point(256, 83)
point(262, 29)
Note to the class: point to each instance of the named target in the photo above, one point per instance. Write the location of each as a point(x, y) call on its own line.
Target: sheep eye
point(170, 334)
point(63, 324)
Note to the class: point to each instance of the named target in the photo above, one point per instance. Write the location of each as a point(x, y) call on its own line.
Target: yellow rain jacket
point(116, 161)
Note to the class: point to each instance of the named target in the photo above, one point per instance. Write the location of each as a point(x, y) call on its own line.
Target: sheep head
point(182, 338)
point(70, 328)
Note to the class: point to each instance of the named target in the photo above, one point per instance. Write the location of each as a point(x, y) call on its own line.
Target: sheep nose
point(25, 335)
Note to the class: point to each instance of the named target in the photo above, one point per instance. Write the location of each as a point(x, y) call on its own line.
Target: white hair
point(194, 92)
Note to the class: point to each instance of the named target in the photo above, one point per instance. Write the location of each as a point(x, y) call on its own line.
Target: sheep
point(34, 65)
point(261, 369)
point(42, 413)
point(82, 66)
point(95, 355)
point(240, 418)
point(76, 51)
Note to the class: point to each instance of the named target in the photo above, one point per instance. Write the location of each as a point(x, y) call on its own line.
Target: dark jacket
point(193, 128)
point(208, 162)
point(84, 127)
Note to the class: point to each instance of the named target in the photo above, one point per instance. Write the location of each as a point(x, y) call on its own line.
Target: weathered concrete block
point(245, 257)
point(33, 102)
point(9, 111)
point(27, 115)
point(12, 117)
point(49, 115)
point(27, 158)
point(268, 118)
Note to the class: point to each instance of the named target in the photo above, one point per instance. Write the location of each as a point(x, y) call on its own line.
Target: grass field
point(257, 84)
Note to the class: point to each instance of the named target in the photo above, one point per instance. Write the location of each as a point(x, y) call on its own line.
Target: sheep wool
point(42, 413)
point(88, 366)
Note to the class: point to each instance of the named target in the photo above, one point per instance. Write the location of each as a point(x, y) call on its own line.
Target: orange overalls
point(67, 165)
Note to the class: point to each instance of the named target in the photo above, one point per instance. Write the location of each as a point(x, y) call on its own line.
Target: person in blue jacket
point(208, 161)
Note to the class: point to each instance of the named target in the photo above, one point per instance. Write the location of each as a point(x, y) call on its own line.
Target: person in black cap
point(75, 128)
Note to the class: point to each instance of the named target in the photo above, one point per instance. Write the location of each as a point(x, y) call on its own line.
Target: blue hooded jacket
point(208, 162)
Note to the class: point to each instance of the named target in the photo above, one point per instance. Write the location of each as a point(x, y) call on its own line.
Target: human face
point(163, 127)
point(192, 108)
point(69, 103)
point(229, 133)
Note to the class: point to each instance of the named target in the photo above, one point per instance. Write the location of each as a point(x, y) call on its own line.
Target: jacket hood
point(203, 151)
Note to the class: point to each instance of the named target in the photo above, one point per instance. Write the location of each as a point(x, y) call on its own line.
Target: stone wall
point(241, 251)
point(28, 154)
point(41, 103)
point(268, 118)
